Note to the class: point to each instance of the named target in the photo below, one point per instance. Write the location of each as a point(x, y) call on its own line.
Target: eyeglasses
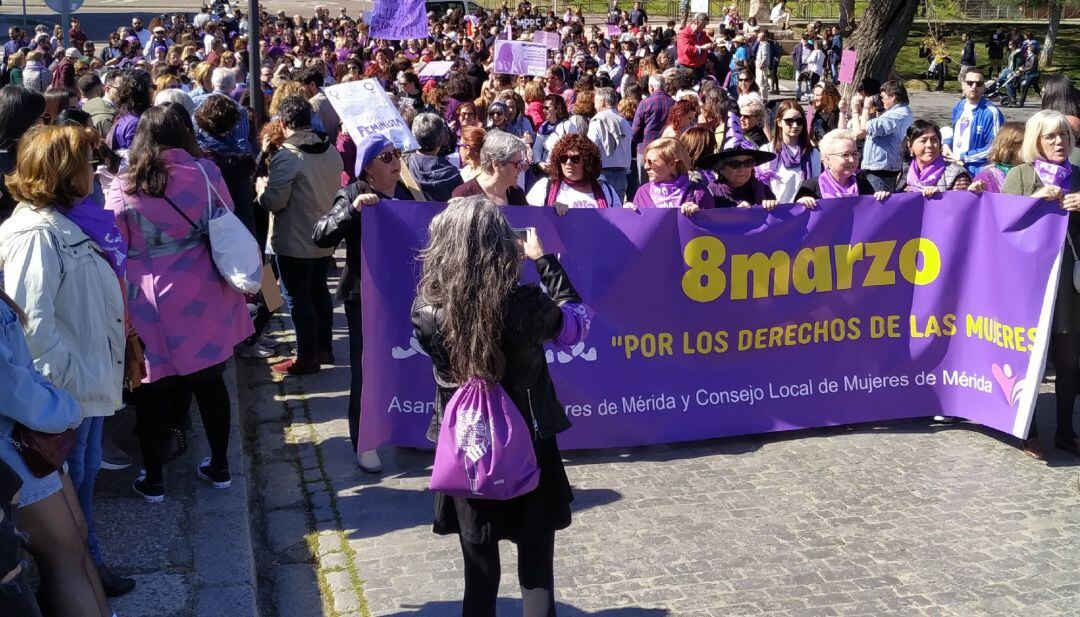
point(388, 156)
point(974, 84)
point(496, 113)
point(573, 159)
point(793, 121)
point(740, 164)
point(466, 114)
point(847, 156)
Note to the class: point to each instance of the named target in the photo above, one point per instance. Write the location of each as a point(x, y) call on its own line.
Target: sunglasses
point(467, 114)
point(496, 113)
point(388, 156)
point(794, 121)
point(743, 164)
point(573, 159)
point(974, 84)
point(743, 79)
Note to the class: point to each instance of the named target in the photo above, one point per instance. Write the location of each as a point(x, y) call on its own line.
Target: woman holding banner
point(1004, 154)
point(574, 181)
point(668, 165)
point(502, 158)
point(1047, 174)
point(379, 177)
point(841, 176)
point(929, 172)
point(797, 160)
point(476, 320)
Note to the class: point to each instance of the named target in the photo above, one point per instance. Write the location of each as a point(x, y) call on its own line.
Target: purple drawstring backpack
point(485, 449)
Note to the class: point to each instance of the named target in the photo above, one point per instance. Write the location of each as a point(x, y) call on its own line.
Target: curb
point(226, 583)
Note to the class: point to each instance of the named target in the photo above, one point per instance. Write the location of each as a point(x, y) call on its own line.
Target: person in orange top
point(693, 45)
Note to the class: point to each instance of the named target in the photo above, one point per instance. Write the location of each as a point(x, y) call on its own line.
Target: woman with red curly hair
point(682, 116)
point(574, 180)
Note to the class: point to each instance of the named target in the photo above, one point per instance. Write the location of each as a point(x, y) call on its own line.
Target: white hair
point(223, 79)
point(833, 136)
point(656, 82)
point(1043, 122)
point(175, 95)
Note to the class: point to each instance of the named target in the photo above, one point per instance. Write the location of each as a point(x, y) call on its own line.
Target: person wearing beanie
point(379, 176)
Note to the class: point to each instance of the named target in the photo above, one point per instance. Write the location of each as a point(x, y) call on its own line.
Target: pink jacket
point(534, 111)
point(183, 310)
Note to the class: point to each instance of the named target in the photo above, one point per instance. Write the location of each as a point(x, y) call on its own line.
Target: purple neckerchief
point(926, 178)
point(1052, 174)
point(100, 224)
point(798, 160)
point(577, 321)
point(830, 187)
point(669, 194)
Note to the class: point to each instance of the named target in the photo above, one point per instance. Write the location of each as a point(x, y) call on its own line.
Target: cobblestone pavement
point(900, 518)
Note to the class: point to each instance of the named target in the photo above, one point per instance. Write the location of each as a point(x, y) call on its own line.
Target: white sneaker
point(252, 350)
point(370, 462)
point(947, 419)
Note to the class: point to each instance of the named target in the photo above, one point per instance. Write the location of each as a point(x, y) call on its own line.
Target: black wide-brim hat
point(759, 156)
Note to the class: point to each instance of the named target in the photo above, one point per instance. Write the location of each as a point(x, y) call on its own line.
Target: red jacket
point(686, 43)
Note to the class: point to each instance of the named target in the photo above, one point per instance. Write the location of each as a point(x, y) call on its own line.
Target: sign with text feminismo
point(365, 108)
point(746, 321)
point(398, 20)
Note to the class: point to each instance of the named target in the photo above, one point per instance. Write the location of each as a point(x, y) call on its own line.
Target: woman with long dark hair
point(797, 160)
point(188, 317)
point(21, 108)
point(475, 319)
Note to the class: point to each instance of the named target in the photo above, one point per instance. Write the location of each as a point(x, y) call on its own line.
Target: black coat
point(342, 222)
point(531, 319)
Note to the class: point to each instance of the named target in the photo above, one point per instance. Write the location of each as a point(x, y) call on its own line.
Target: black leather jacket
point(532, 318)
point(342, 222)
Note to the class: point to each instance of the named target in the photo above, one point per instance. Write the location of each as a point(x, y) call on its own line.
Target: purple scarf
point(799, 160)
point(830, 187)
point(100, 224)
point(1052, 174)
point(927, 178)
point(669, 194)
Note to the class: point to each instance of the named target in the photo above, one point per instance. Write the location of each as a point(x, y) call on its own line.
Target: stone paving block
point(160, 594)
point(234, 600)
point(279, 485)
point(286, 530)
point(296, 591)
point(222, 556)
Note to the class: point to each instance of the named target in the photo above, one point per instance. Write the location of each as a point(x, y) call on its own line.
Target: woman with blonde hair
point(1004, 154)
point(73, 319)
point(1047, 174)
point(668, 166)
point(15, 64)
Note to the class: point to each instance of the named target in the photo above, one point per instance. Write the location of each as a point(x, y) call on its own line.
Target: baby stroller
point(997, 90)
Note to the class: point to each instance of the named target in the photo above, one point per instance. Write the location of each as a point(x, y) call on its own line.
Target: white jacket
point(73, 303)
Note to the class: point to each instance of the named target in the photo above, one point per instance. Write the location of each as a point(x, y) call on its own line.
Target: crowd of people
point(116, 158)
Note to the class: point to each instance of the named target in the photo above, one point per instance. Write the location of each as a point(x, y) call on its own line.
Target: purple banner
point(397, 20)
point(744, 321)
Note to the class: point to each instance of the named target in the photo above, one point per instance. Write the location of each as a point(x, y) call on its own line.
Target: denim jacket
point(29, 398)
point(885, 137)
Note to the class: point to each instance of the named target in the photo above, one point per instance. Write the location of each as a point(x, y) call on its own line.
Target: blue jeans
point(881, 183)
point(84, 462)
point(304, 287)
point(616, 178)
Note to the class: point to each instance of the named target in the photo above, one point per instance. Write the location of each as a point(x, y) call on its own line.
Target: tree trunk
point(879, 37)
point(847, 11)
point(1051, 34)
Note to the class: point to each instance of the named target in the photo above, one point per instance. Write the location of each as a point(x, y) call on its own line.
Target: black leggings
point(536, 575)
point(1065, 350)
point(153, 402)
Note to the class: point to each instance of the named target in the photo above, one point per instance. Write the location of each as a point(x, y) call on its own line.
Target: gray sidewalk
point(900, 518)
point(191, 556)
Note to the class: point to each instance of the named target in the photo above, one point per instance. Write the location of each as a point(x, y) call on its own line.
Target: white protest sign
point(365, 108)
point(520, 58)
point(699, 6)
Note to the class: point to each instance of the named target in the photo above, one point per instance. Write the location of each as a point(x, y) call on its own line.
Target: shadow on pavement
point(508, 606)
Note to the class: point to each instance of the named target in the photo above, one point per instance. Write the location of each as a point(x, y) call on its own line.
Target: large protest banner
point(398, 20)
point(744, 321)
point(520, 58)
point(365, 108)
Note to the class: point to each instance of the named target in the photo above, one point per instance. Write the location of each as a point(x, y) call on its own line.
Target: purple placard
point(613, 30)
point(551, 39)
point(397, 20)
point(847, 65)
point(869, 303)
point(520, 58)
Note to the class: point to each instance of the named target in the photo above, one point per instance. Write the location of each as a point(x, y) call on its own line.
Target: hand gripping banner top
point(745, 321)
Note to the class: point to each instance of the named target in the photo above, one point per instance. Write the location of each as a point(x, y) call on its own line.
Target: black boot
point(114, 584)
